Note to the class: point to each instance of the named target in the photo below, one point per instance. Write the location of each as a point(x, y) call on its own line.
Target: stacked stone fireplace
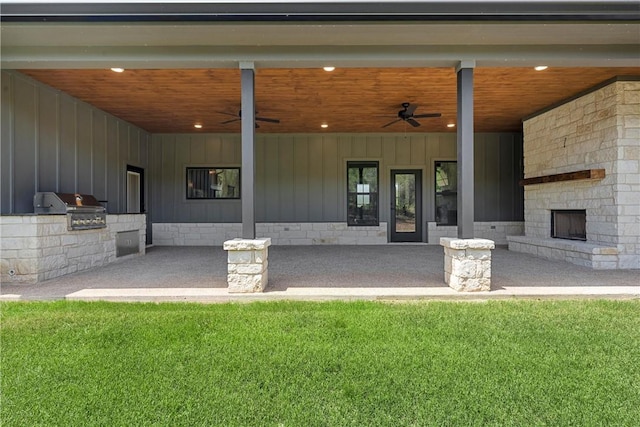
point(582, 172)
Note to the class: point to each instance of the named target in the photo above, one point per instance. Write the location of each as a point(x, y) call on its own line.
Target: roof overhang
point(299, 34)
point(327, 10)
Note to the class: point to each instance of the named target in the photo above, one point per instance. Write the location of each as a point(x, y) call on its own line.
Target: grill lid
point(62, 203)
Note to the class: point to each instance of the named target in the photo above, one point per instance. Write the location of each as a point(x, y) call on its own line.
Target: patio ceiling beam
point(73, 57)
point(247, 179)
point(464, 73)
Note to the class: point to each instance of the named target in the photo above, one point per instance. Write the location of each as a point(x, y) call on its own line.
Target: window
point(446, 193)
point(362, 193)
point(213, 183)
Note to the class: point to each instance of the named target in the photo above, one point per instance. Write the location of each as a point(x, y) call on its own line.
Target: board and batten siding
point(54, 142)
point(302, 177)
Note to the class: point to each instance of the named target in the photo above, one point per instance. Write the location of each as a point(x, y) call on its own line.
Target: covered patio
point(325, 272)
point(155, 114)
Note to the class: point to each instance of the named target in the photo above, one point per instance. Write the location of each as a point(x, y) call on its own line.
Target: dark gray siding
point(301, 177)
point(498, 168)
point(170, 155)
point(24, 150)
point(53, 142)
point(6, 145)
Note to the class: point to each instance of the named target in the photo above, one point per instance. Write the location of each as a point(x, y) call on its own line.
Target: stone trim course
point(281, 233)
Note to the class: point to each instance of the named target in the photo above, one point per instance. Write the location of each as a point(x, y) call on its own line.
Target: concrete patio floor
point(325, 272)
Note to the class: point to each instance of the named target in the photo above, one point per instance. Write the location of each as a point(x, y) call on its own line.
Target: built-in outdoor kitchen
point(66, 233)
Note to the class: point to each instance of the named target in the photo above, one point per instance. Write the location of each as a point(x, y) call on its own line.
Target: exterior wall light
point(540, 67)
point(324, 126)
point(117, 70)
point(328, 69)
point(197, 126)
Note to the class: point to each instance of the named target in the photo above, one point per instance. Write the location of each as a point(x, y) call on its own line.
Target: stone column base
point(247, 264)
point(467, 263)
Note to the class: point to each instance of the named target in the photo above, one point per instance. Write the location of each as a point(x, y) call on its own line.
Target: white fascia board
point(328, 9)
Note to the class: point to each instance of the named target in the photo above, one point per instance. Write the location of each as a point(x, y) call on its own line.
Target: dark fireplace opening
point(569, 224)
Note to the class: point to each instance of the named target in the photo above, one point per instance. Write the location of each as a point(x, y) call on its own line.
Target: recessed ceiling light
point(117, 70)
point(329, 69)
point(324, 126)
point(451, 125)
point(541, 67)
point(197, 126)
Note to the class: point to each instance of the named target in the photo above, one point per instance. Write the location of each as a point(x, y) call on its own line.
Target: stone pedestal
point(247, 264)
point(467, 263)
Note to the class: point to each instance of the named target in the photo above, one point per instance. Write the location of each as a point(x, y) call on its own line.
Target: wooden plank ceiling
point(348, 100)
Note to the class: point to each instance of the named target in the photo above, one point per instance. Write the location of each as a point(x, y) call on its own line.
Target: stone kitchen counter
point(35, 248)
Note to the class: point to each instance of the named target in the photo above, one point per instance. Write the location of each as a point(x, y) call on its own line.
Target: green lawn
point(523, 363)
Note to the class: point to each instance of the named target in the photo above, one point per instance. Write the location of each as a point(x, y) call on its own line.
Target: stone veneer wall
point(600, 130)
point(496, 231)
point(316, 233)
point(306, 233)
point(39, 247)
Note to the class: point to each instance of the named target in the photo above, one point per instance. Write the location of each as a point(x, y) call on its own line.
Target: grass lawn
point(524, 363)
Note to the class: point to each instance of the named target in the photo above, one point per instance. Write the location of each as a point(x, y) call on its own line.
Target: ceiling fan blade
point(410, 109)
point(413, 122)
point(390, 123)
point(265, 119)
point(226, 114)
point(420, 116)
point(230, 121)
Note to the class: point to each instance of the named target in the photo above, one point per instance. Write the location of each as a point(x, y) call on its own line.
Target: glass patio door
point(406, 205)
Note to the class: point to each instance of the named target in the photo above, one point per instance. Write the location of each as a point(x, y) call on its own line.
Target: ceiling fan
point(238, 117)
point(407, 115)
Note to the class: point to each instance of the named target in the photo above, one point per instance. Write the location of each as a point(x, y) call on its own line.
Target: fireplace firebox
point(569, 224)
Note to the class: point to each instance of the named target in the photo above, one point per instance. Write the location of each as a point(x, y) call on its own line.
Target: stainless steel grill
point(83, 210)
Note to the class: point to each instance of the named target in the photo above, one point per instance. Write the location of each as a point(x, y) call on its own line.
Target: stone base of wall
point(467, 264)
point(598, 257)
point(247, 265)
point(307, 233)
point(496, 231)
point(39, 247)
